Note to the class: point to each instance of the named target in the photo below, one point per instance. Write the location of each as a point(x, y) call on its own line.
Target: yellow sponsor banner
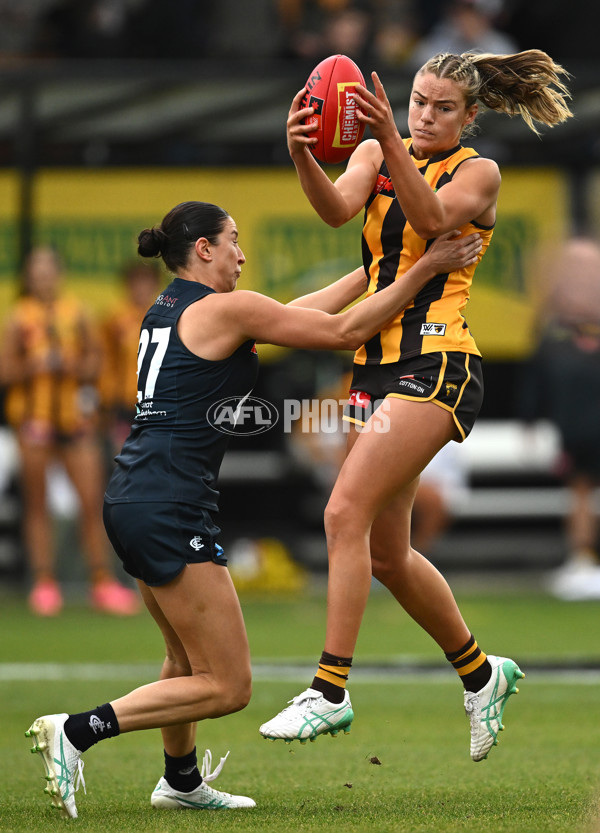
point(533, 215)
point(93, 219)
point(9, 239)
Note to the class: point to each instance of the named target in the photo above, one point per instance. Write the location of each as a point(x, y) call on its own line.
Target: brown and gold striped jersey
point(50, 396)
point(434, 320)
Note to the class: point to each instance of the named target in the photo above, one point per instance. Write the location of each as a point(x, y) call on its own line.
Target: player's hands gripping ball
point(330, 92)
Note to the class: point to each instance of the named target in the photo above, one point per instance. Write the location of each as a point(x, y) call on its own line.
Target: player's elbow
point(349, 338)
point(336, 213)
point(428, 229)
point(335, 219)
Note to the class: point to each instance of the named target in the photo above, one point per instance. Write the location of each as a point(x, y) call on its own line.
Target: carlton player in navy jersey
point(196, 349)
point(176, 391)
point(422, 371)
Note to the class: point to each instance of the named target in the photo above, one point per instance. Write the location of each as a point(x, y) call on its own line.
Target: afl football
point(329, 91)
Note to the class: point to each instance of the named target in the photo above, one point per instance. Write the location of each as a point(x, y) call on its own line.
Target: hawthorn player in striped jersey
point(420, 376)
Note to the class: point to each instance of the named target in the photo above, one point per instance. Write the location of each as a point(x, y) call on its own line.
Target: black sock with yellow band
point(332, 676)
point(472, 665)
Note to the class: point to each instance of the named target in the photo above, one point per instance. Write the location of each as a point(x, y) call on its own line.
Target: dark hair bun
point(152, 242)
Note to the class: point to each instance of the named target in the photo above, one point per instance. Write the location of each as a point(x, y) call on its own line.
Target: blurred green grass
point(544, 775)
point(532, 626)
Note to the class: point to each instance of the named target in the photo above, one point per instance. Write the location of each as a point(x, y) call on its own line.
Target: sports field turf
point(404, 766)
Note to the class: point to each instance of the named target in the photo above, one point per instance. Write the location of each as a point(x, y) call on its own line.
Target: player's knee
point(380, 569)
point(243, 695)
point(175, 666)
point(338, 517)
point(380, 552)
point(387, 561)
point(235, 696)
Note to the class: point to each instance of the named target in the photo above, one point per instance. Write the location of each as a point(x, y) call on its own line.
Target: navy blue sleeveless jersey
point(173, 453)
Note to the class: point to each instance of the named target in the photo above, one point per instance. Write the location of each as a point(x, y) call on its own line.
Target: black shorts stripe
point(452, 380)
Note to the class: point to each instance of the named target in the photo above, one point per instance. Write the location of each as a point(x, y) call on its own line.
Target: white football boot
point(308, 715)
point(203, 797)
point(485, 708)
point(64, 767)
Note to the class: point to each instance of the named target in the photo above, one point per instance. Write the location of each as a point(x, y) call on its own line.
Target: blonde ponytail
point(527, 84)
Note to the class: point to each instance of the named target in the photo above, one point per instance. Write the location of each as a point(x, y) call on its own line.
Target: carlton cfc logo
point(96, 724)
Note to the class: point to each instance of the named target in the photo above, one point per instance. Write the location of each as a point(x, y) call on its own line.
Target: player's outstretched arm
point(247, 315)
point(335, 297)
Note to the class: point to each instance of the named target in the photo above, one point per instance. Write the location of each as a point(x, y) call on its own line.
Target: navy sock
point(87, 728)
point(182, 773)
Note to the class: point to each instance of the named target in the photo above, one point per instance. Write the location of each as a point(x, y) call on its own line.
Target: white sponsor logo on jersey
point(431, 329)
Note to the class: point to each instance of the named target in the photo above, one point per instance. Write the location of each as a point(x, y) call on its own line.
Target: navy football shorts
point(155, 541)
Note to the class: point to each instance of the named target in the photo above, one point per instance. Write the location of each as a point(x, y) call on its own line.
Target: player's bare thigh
point(176, 656)
point(202, 608)
point(383, 464)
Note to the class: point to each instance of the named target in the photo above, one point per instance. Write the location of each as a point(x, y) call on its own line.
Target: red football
point(329, 90)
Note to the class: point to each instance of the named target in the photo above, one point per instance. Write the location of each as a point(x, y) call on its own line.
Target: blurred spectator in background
point(84, 29)
point(398, 28)
point(49, 362)
point(120, 332)
point(465, 26)
point(314, 29)
point(248, 31)
point(561, 383)
point(443, 487)
point(18, 24)
point(318, 437)
point(546, 25)
point(177, 30)
point(156, 29)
